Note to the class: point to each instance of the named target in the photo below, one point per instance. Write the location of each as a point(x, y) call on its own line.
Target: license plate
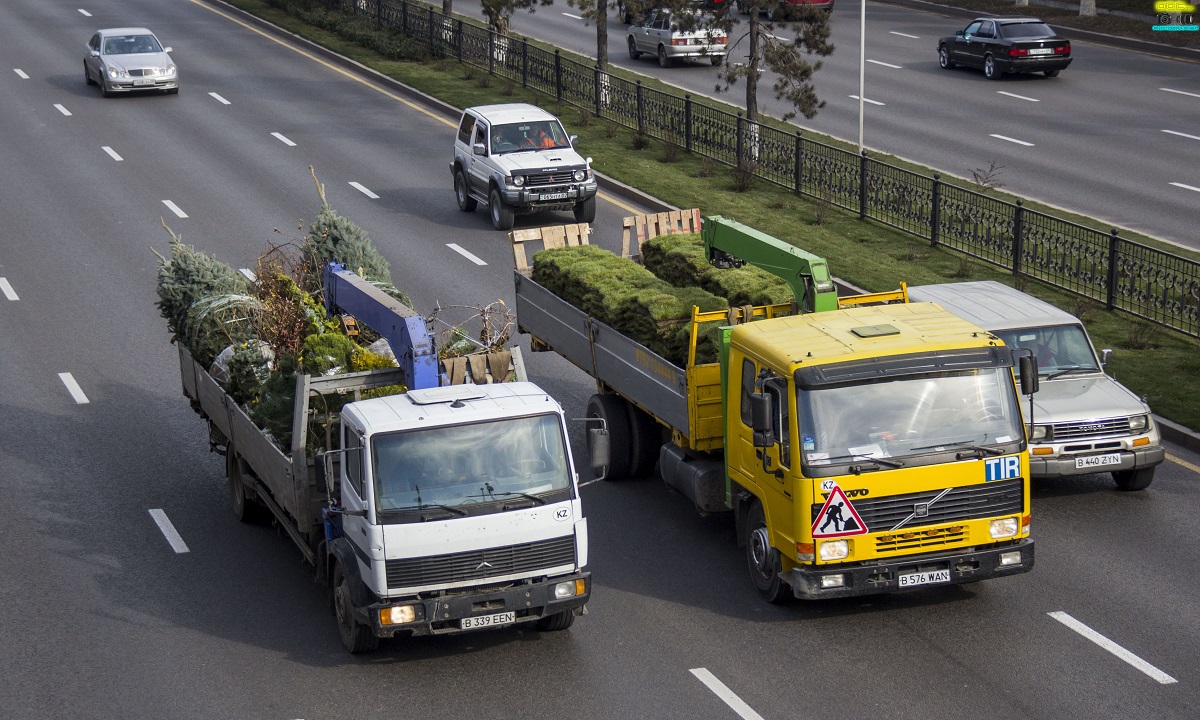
point(1092, 461)
point(483, 621)
point(553, 196)
point(925, 578)
point(1041, 51)
point(142, 83)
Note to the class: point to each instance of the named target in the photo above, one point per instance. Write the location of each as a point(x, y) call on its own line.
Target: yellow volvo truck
point(864, 444)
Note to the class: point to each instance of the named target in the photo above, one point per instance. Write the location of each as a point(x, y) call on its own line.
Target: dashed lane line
point(21, 73)
point(1193, 188)
point(912, 37)
point(8, 289)
point(219, 99)
point(867, 100)
point(174, 208)
point(62, 109)
point(1014, 95)
point(169, 531)
point(73, 388)
point(1190, 137)
point(84, 13)
point(1113, 648)
point(282, 139)
point(887, 65)
point(112, 153)
point(456, 248)
point(1180, 92)
point(728, 696)
point(573, 17)
point(1012, 140)
point(362, 189)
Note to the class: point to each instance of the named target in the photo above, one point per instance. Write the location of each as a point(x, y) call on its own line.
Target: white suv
point(516, 158)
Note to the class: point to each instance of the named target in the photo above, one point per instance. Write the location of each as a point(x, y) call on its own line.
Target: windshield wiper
point(882, 461)
point(424, 506)
point(1068, 371)
point(968, 444)
point(527, 496)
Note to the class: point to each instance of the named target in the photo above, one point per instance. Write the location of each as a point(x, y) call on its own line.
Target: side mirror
point(325, 462)
point(572, 139)
point(1029, 374)
point(600, 449)
point(479, 149)
point(761, 414)
point(94, 53)
point(1105, 357)
point(958, 33)
point(168, 49)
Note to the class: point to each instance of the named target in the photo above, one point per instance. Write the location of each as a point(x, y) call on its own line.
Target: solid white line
point(1190, 137)
point(719, 689)
point(880, 62)
point(219, 99)
point(464, 253)
point(364, 191)
point(21, 73)
point(1180, 92)
point(1019, 97)
point(175, 208)
point(1012, 140)
point(1112, 647)
point(62, 109)
point(8, 289)
point(1186, 187)
point(914, 37)
point(84, 13)
point(248, 274)
point(112, 153)
point(283, 139)
point(168, 530)
point(73, 388)
point(867, 100)
point(574, 17)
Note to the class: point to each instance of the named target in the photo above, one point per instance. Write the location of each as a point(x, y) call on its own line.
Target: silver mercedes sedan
point(129, 59)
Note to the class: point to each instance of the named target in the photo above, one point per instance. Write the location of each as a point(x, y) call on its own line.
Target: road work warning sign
point(837, 518)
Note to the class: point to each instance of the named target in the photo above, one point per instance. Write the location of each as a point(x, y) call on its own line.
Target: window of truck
point(472, 469)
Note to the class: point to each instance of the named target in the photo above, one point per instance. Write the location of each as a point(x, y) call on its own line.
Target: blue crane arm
point(403, 327)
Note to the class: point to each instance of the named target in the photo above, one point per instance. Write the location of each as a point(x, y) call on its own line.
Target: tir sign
point(1002, 468)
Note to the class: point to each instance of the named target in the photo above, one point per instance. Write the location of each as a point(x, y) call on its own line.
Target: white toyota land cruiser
point(516, 158)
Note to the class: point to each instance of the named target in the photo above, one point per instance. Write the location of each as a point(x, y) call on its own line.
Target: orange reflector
point(580, 586)
point(1025, 521)
point(1042, 451)
point(806, 548)
point(1141, 441)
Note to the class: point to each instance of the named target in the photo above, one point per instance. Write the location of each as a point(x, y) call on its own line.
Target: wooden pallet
point(551, 236)
point(640, 228)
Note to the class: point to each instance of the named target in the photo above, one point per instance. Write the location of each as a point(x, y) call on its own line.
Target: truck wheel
point(645, 440)
point(1139, 479)
point(612, 409)
point(462, 193)
point(557, 621)
point(763, 559)
point(356, 637)
point(244, 509)
point(502, 215)
point(585, 210)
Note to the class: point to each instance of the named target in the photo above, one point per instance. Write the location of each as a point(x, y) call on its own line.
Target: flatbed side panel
point(704, 401)
point(554, 321)
point(212, 400)
point(187, 372)
point(269, 463)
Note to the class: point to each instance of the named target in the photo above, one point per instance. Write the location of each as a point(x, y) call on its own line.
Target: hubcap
point(342, 617)
point(760, 551)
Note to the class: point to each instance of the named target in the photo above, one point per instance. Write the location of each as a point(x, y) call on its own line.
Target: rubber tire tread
point(358, 638)
point(1132, 480)
point(556, 622)
point(645, 443)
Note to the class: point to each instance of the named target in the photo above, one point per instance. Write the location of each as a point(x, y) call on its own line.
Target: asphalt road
point(108, 614)
point(1115, 137)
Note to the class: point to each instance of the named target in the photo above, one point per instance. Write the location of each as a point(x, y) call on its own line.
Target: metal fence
point(1152, 284)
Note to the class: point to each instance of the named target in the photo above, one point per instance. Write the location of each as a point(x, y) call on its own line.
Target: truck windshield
point(1058, 348)
point(502, 461)
point(909, 417)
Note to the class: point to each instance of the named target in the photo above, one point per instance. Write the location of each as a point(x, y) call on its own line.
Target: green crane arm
point(729, 243)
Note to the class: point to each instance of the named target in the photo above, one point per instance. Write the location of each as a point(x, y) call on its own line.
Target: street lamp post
point(862, 70)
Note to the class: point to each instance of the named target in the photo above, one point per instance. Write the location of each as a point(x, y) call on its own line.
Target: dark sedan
point(1006, 45)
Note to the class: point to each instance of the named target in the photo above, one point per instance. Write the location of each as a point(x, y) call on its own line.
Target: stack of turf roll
point(681, 261)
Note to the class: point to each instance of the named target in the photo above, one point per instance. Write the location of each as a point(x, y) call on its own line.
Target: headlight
point(170, 70)
point(834, 550)
point(115, 73)
point(580, 175)
point(1003, 528)
point(1139, 423)
point(400, 615)
point(569, 589)
point(518, 180)
point(1039, 432)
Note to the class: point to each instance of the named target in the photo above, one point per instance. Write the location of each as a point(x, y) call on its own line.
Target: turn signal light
point(1141, 441)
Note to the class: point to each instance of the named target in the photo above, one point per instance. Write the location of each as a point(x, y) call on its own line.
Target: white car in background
point(127, 60)
point(668, 39)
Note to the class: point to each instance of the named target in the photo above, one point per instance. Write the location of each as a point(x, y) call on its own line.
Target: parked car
point(129, 59)
point(516, 158)
point(669, 39)
point(1002, 45)
point(785, 9)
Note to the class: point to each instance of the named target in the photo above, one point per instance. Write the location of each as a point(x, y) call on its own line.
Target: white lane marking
point(1190, 137)
point(364, 191)
point(880, 62)
point(736, 703)
point(62, 109)
point(1180, 92)
point(248, 274)
point(169, 531)
point(21, 73)
point(283, 139)
point(573, 17)
point(84, 13)
point(464, 253)
point(1014, 95)
point(914, 37)
point(219, 99)
point(1012, 140)
point(174, 208)
point(1186, 187)
point(866, 100)
point(73, 388)
point(8, 289)
point(1112, 647)
point(112, 153)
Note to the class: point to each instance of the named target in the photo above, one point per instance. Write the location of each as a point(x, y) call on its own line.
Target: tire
point(762, 559)
point(663, 60)
point(645, 442)
point(585, 210)
point(1052, 73)
point(466, 203)
point(633, 51)
point(615, 413)
point(87, 76)
point(990, 71)
point(557, 621)
point(502, 215)
point(1129, 480)
point(173, 91)
point(944, 58)
point(356, 637)
point(244, 509)
point(104, 89)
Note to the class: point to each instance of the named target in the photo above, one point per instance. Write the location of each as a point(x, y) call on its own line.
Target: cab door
point(773, 464)
point(354, 489)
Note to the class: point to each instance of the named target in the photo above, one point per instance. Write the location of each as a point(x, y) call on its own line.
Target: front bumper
point(132, 84)
point(882, 577)
point(443, 615)
point(1050, 466)
point(556, 197)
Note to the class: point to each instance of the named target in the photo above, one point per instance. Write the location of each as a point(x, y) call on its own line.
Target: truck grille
point(485, 563)
point(1004, 497)
point(1096, 428)
point(561, 177)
